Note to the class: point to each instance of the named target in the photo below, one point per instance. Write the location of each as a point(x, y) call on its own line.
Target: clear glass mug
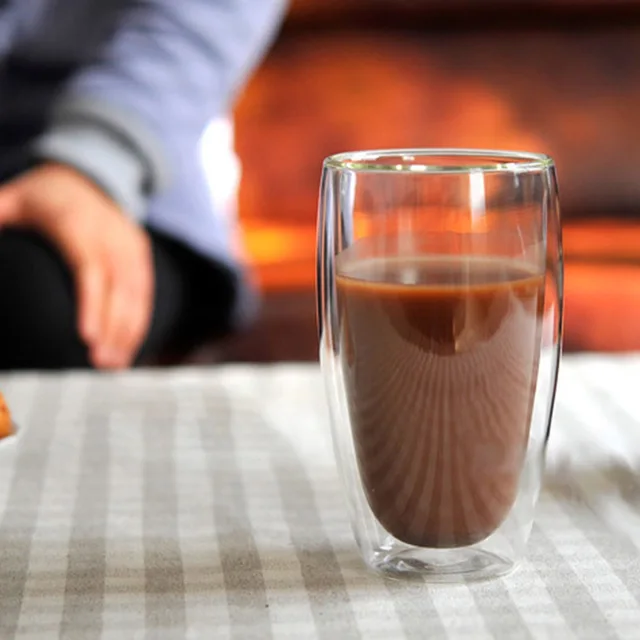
point(439, 285)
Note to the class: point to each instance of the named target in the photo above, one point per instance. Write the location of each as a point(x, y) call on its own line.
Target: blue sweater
point(123, 90)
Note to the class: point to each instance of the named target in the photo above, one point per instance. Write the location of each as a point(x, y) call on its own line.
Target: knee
point(38, 328)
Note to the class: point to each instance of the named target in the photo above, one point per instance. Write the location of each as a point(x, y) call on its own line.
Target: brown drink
point(440, 357)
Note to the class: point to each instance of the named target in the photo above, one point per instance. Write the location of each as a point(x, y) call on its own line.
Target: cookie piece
point(6, 428)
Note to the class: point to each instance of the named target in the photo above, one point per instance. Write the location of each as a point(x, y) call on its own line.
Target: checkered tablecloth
point(206, 504)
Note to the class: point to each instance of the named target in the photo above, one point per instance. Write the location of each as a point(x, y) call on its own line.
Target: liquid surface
point(440, 359)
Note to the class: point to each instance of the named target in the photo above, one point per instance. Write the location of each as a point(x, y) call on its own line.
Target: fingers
point(114, 281)
point(112, 349)
point(126, 311)
point(124, 326)
point(92, 290)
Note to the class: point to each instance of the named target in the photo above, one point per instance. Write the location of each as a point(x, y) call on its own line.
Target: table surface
point(206, 504)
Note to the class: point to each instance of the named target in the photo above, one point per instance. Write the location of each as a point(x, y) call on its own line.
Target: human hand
point(109, 256)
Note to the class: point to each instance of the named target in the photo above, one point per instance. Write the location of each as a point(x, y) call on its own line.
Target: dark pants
point(38, 316)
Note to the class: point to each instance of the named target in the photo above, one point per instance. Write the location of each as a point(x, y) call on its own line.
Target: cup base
point(440, 566)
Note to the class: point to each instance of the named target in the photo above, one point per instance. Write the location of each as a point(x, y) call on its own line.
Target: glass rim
point(416, 161)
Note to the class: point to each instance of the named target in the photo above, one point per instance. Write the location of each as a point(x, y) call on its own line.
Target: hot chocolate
point(440, 359)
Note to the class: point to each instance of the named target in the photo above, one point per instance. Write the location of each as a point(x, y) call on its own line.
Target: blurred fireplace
point(557, 76)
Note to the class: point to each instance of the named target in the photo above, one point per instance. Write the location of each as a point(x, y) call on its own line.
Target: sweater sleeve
point(168, 69)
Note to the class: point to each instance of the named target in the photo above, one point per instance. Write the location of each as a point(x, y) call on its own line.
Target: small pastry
point(6, 426)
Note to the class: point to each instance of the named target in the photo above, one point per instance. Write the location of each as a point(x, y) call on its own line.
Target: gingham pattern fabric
point(206, 504)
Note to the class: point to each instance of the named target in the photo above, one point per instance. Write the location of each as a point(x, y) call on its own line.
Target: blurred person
point(117, 175)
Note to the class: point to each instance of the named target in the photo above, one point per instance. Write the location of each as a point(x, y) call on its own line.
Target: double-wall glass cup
point(439, 290)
